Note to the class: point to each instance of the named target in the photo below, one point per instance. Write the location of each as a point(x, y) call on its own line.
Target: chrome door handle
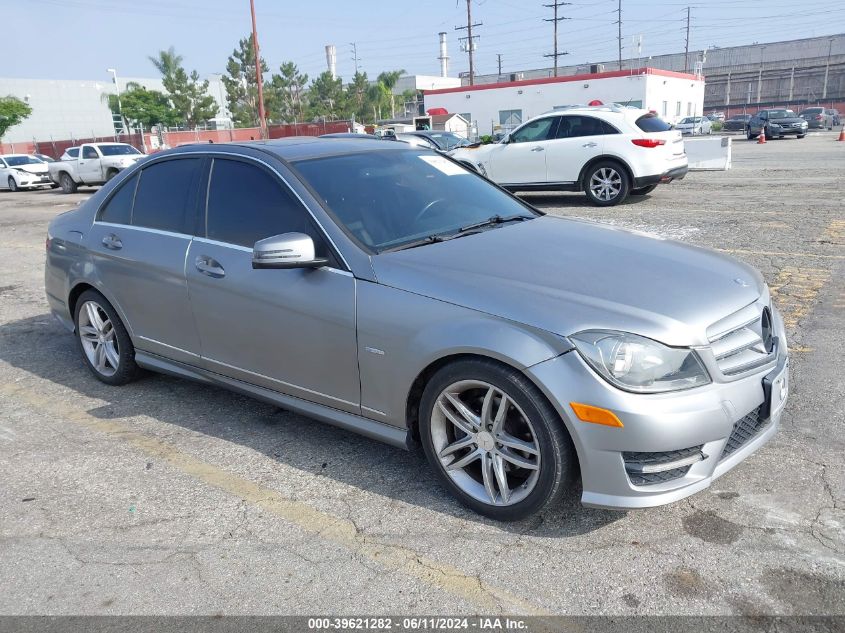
point(112, 242)
point(537, 149)
point(590, 144)
point(208, 266)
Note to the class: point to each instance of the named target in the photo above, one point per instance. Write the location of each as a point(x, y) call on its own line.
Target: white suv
point(609, 152)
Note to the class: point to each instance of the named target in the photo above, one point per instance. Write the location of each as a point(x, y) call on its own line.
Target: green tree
point(12, 112)
point(379, 100)
point(241, 85)
point(359, 101)
point(148, 107)
point(388, 79)
point(327, 98)
point(287, 93)
point(187, 93)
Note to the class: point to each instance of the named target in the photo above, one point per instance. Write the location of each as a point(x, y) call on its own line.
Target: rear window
point(165, 193)
point(652, 123)
point(73, 153)
point(118, 150)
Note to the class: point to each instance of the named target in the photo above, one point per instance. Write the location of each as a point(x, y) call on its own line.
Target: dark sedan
point(737, 123)
point(776, 123)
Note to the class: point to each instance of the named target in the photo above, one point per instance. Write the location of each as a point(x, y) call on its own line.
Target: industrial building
point(792, 72)
point(500, 107)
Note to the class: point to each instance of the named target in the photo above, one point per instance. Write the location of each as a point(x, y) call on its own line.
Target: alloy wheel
point(605, 183)
point(485, 443)
point(97, 334)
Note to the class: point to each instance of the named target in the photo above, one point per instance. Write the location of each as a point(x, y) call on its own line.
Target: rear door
point(578, 140)
point(522, 160)
point(291, 331)
point(138, 245)
point(88, 166)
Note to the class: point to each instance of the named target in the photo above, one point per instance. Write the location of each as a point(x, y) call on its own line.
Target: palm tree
point(167, 62)
point(388, 79)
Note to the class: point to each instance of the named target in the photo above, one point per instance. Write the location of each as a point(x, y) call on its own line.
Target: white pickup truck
point(91, 164)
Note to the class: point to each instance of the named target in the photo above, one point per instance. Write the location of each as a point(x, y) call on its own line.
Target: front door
point(139, 254)
point(292, 331)
point(578, 140)
point(88, 166)
point(522, 160)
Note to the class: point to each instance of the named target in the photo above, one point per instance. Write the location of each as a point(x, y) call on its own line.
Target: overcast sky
point(79, 39)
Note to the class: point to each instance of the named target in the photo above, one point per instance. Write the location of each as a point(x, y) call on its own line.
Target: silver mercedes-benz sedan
point(387, 290)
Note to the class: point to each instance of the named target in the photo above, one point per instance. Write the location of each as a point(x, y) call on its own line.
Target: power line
point(554, 20)
point(469, 39)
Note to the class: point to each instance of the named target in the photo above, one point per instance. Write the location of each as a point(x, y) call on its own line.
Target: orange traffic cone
point(841, 134)
point(762, 138)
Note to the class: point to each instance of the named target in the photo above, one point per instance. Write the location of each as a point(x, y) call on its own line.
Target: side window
point(164, 193)
point(578, 126)
point(73, 153)
point(247, 204)
point(89, 152)
point(539, 130)
point(118, 209)
point(2, 163)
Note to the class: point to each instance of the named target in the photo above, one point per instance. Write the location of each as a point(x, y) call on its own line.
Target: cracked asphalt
point(169, 497)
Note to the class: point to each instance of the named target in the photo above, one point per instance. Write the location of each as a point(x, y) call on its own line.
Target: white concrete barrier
point(708, 153)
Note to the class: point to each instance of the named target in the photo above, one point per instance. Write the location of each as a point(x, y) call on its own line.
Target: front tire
point(66, 183)
point(104, 341)
point(606, 184)
point(800, 136)
point(494, 441)
point(13, 184)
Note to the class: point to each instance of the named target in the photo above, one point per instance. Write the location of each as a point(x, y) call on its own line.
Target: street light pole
point(117, 88)
point(262, 120)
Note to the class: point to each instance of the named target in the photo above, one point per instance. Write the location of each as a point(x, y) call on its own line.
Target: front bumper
point(786, 131)
point(677, 173)
point(719, 421)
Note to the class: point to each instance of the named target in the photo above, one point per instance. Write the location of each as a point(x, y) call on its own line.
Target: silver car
point(387, 290)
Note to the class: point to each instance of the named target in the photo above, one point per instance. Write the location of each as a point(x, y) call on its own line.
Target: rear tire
point(67, 184)
point(643, 190)
point(606, 184)
point(801, 136)
point(105, 344)
point(13, 184)
point(491, 480)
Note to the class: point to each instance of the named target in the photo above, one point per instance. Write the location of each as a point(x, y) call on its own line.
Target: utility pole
point(555, 20)
point(619, 35)
point(259, 80)
point(686, 47)
point(470, 42)
point(827, 68)
point(499, 59)
point(355, 59)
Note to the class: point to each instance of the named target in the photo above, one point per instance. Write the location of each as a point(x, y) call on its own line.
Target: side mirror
point(288, 250)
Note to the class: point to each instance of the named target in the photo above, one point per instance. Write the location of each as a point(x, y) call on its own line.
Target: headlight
point(635, 363)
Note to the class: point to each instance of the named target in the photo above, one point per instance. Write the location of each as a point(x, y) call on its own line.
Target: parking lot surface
point(169, 497)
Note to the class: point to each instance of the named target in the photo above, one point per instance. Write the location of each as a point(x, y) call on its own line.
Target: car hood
point(33, 169)
point(789, 119)
point(564, 276)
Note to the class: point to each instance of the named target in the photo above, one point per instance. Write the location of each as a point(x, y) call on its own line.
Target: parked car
point(776, 123)
point(695, 125)
point(737, 123)
point(817, 118)
point(350, 135)
point(92, 164)
point(45, 158)
point(22, 171)
point(442, 140)
point(834, 115)
point(393, 292)
point(608, 152)
point(716, 116)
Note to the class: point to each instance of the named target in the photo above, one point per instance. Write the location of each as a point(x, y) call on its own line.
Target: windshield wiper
point(429, 239)
point(496, 219)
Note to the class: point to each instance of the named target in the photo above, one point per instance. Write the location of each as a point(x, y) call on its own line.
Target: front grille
point(742, 348)
point(636, 462)
point(745, 429)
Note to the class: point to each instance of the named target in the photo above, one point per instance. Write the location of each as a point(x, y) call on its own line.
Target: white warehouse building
point(501, 107)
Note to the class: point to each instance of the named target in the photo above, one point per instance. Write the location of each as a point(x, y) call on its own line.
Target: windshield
point(447, 140)
point(390, 198)
point(117, 150)
point(689, 119)
point(781, 114)
point(17, 161)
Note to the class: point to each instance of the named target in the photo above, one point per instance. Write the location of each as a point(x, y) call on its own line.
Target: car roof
point(296, 148)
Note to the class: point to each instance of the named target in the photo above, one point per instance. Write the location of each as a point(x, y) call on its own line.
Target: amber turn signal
point(595, 415)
